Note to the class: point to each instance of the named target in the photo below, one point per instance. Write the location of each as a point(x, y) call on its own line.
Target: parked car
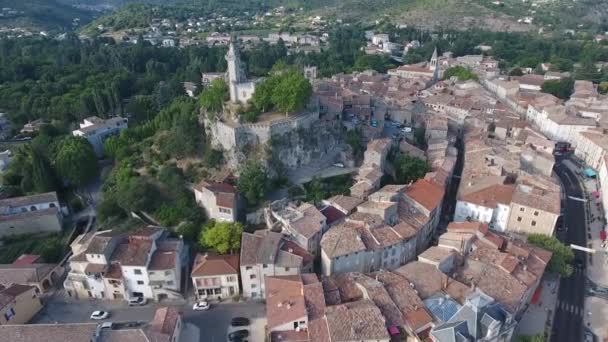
point(340, 165)
point(99, 315)
point(240, 322)
point(239, 334)
point(200, 306)
point(137, 301)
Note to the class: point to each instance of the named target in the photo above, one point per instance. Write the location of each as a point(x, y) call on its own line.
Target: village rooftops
point(342, 239)
point(48, 332)
point(306, 219)
point(284, 300)
point(133, 253)
point(24, 274)
point(259, 248)
point(356, 321)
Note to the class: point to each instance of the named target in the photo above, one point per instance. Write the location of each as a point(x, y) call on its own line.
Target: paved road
point(568, 320)
point(204, 326)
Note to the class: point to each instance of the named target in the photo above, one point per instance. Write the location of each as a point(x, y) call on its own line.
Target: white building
point(216, 276)
point(97, 130)
point(219, 200)
point(591, 147)
point(487, 205)
point(241, 89)
point(266, 253)
point(143, 263)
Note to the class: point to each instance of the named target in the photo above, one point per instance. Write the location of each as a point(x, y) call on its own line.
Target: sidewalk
point(539, 316)
point(596, 309)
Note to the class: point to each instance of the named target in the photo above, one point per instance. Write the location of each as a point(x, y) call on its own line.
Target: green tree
point(354, 138)
point(315, 190)
point(292, 92)
point(75, 161)
point(534, 338)
point(253, 182)
point(52, 250)
point(213, 98)
point(516, 72)
point(137, 195)
point(561, 260)
point(409, 169)
point(462, 73)
point(224, 237)
point(562, 88)
point(189, 230)
point(603, 87)
point(43, 175)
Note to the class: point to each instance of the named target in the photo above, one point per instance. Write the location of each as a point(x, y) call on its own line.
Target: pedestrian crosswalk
point(571, 308)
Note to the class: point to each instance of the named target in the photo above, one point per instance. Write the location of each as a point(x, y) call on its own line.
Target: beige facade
point(23, 305)
point(529, 220)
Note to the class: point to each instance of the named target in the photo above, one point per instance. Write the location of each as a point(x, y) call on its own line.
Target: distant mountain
point(42, 14)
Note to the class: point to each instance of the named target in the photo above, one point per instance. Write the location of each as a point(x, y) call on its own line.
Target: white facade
point(137, 282)
point(97, 130)
point(216, 286)
point(252, 277)
point(591, 147)
point(497, 218)
point(208, 200)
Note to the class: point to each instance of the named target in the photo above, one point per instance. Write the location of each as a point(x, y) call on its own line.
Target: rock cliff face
point(308, 141)
point(319, 143)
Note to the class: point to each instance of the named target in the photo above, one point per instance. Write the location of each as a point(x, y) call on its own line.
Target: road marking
point(577, 199)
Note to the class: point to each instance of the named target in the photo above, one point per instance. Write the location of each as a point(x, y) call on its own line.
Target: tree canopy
point(212, 99)
point(409, 169)
point(562, 88)
point(76, 161)
point(286, 91)
point(462, 73)
point(253, 182)
point(561, 261)
point(223, 237)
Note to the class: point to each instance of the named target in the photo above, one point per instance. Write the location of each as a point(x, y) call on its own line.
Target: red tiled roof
point(332, 214)
point(428, 194)
point(26, 259)
point(162, 260)
point(210, 265)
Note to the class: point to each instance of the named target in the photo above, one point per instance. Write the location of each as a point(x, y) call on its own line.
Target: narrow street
point(570, 309)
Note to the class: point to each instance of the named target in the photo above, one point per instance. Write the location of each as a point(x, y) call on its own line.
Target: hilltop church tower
point(241, 89)
point(433, 63)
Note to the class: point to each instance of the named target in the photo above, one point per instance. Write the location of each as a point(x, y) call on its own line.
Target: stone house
point(97, 130)
point(18, 304)
point(219, 200)
point(534, 210)
point(267, 253)
point(215, 276)
point(30, 214)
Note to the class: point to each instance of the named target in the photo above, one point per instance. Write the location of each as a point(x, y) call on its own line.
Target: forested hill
point(43, 14)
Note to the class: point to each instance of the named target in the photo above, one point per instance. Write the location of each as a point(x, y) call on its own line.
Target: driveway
point(208, 326)
point(214, 324)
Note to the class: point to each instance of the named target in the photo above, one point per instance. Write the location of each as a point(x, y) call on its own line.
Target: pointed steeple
point(433, 62)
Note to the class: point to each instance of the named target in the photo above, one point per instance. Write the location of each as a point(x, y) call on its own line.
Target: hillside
point(42, 14)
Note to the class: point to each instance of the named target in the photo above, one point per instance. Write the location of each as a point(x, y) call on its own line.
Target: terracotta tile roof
point(356, 321)
point(26, 259)
point(318, 330)
point(342, 240)
point(284, 300)
point(113, 272)
point(436, 254)
point(332, 214)
point(95, 268)
point(218, 187)
point(259, 248)
point(468, 227)
point(418, 318)
point(163, 260)
point(211, 265)
point(427, 279)
point(225, 200)
point(489, 197)
point(405, 230)
point(537, 198)
point(429, 195)
point(134, 253)
point(17, 274)
point(163, 324)
point(48, 332)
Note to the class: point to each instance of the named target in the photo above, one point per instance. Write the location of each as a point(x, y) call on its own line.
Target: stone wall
point(295, 141)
